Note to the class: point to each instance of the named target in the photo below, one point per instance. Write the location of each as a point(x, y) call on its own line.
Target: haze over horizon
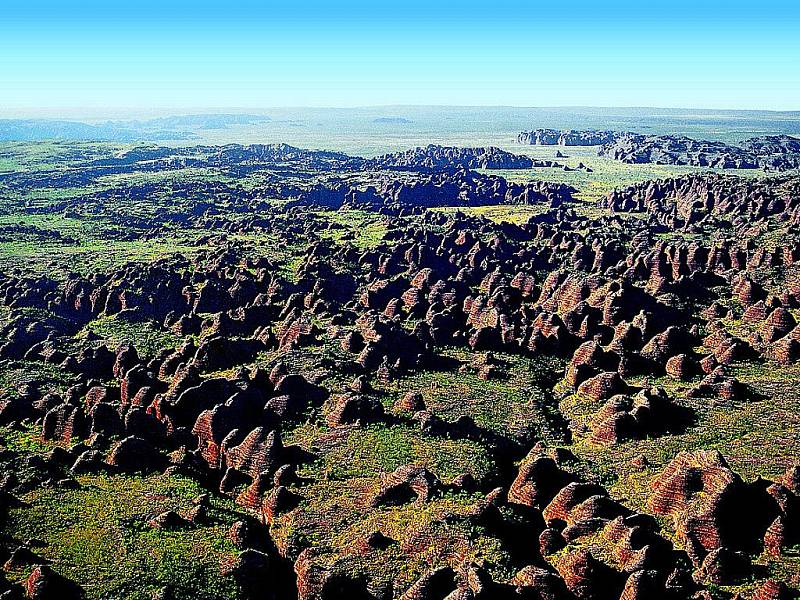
point(143, 113)
point(251, 55)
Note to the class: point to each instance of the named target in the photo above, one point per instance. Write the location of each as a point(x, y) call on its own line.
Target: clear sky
point(253, 54)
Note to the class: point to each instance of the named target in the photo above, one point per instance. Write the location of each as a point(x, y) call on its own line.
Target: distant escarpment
point(257, 156)
point(450, 157)
point(570, 137)
point(392, 120)
point(429, 158)
point(678, 150)
point(776, 152)
point(771, 153)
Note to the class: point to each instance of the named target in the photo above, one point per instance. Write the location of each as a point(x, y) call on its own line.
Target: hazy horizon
point(90, 114)
point(371, 131)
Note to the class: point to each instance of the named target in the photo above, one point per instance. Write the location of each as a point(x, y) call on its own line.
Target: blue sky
point(181, 54)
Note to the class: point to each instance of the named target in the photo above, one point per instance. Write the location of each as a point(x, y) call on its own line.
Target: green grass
point(97, 535)
point(361, 228)
point(336, 516)
point(375, 449)
point(57, 259)
point(47, 377)
point(518, 405)
point(516, 215)
point(27, 440)
point(606, 174)
point(147, 337)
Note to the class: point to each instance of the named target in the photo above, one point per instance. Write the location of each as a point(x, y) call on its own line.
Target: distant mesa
point(392, 120)
point(181, 127)
point(568, 137)
point(450, 157)
point(771, 153)
point(202, 121)
point(25, 130)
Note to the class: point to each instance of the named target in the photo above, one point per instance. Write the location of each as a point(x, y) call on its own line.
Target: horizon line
point(7, 112)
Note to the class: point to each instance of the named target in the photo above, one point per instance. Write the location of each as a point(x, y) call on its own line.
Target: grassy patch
point(96, 535)
point(145, 336)
point(361, 228)
point(368, 451)
point(25, 440)
point(517, 405)
point(44, 376)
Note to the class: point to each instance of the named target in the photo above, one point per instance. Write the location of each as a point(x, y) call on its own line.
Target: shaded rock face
point(259, 452)
point(64, 422)
point(725, 567)
point(433, 188)
point(772, 590)
point(603, 386)
point(250, 570)
point(538, 481)
point(135, 454)
point(646, 414)
point(673, 203)
point(587, 578)
point(406, 483)
point(575, 510)
point(682, 367)
point(45, 584)
point(633, 148)
point(169, 521)
point(353, 408)
point(641, 585)
point(411, 402)
point(775, 152)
